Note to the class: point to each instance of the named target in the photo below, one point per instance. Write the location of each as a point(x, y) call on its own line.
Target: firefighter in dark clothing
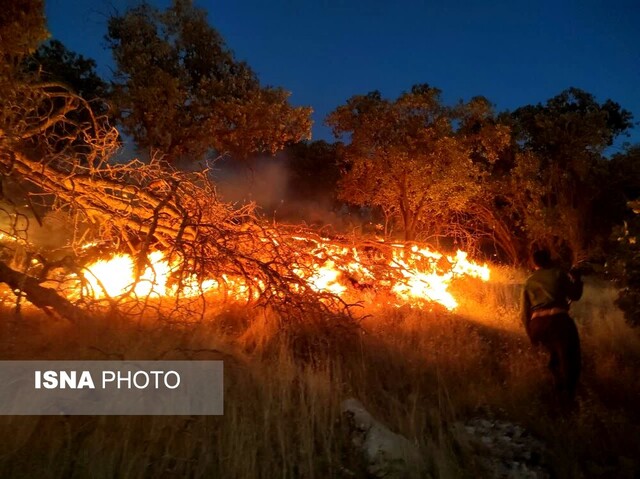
point(545, 315)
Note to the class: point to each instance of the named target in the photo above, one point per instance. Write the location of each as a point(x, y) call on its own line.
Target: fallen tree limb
point(63, 165)
point(40, 296)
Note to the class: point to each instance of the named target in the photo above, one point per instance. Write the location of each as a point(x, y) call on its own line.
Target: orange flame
point(116, 277)
point(412, 275)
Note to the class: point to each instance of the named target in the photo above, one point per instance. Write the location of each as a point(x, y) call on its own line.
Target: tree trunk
point(410, 228)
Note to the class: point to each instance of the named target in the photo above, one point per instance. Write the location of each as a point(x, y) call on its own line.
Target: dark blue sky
point(324, 51)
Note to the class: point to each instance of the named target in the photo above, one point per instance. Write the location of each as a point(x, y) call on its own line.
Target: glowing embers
point(325, 278)
point(426, 275)
point(116, 277)
point(411, 275)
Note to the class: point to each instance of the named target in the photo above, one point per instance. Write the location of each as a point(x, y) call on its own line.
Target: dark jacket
point(549, 288)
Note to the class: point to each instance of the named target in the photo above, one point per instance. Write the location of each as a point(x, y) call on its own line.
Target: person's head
point(541, 258)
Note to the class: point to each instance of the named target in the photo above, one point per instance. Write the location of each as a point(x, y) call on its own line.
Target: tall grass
point(417, 371)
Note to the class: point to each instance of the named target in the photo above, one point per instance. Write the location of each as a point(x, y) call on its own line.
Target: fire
point(116, 277)
point(412, 275)
point(429, 284)
point(325, 279)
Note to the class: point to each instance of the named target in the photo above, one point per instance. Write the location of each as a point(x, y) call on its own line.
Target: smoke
point(49, 232)
point(263, 181)
point(267, 181)
point(33, 222)
point(270, 184)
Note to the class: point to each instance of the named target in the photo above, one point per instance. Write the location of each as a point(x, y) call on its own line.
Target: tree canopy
point(561, 161)
point(54, 62)
point(539, 174)
point(43, 114)
point(180, 92)
point(406, 157)
point(22, 29)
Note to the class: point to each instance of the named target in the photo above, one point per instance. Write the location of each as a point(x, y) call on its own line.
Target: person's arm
point(574, 285)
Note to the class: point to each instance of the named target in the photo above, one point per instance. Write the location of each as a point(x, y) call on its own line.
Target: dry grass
point(416, 371)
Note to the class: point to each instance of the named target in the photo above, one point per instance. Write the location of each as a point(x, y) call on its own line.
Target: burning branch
point(172, 237)
point(145, 208)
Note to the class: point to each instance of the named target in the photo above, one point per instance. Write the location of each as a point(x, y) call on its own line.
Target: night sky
point(324, 51)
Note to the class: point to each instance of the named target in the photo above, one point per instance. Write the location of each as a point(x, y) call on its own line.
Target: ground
point(417, 371)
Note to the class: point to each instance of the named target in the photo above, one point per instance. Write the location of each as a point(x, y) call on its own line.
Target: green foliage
point(626, 259)
point(180, 91)
point(51, 106)
point(570, 127)
point(623, 174)
point(560, 171)
point(536, 175)
point(53, 62)
point(406, 157)
point(22, 28)
point(68, 72)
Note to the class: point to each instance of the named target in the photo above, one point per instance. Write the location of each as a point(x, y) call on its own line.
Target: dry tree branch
point(58, 154)
point(42, 297)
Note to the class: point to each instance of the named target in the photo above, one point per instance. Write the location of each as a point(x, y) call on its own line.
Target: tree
point(40, 126)
point(53, 62)
point(314, 172)
point(562, 165)
point(492, 211)
point(54, 152)
point(180, 91)
point(621, 204)
point(39, 116)
point(406, 158)
point(22, 29)
point(64, 71)
point(626, 262)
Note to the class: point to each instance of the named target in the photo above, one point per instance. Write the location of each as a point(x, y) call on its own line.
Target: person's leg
point(555, 366)
point(555, 346)
point(542, 333)
point(573, 359)
point(568, 351)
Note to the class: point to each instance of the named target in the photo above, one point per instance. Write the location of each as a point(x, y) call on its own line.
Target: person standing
point(546, 297)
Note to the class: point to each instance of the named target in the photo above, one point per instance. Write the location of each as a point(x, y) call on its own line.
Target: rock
point(503, 449)
point(387, 454)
